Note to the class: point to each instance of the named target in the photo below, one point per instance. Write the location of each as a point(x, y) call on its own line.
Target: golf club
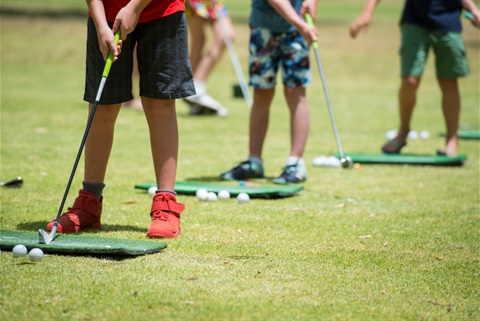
point(236, 64)
point(346, 161)
point(44, 237)
point(14, 182)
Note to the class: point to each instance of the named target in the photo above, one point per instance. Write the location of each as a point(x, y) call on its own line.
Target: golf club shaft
point(309, 20)
point(106, 71)
point(236, 63)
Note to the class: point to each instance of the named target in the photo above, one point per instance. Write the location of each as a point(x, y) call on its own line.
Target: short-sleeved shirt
point(433, 15)
point(153, 11)
point(263, 15)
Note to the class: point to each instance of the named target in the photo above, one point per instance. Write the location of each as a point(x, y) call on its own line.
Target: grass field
point(373, 243)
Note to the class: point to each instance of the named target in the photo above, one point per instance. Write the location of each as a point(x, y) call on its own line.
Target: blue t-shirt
point(433, 15)
point(264, 16)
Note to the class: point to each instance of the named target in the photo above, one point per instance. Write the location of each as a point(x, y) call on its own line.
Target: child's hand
point(475, 21)
point(126, 20)
point(309, 6)
point(106, 42)
point(360, 24)
point(309, 33)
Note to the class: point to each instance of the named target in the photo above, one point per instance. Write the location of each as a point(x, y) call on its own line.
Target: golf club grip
point(309, 20)
point(110, 58)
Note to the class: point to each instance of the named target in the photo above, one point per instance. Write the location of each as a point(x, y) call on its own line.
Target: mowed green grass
point(373, 243)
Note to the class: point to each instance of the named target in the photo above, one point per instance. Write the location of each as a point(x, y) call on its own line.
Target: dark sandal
point(393, 147)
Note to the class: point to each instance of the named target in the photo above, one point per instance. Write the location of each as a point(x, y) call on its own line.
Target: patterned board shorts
point(269, 50)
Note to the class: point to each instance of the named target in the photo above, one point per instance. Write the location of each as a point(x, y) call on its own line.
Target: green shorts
point(448, 47)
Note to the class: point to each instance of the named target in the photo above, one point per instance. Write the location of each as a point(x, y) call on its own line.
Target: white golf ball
point(202, 194)
point(35, 255)
point(424, 134)
point(243, 198)
point(152, 190)
point(19, 250)
point(211, 196)
point(223, 194)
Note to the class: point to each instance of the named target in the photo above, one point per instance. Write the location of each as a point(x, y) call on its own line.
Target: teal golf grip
point(109, 62)
point(309, 20)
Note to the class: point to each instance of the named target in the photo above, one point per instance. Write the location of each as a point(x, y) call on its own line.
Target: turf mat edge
point(80, 244)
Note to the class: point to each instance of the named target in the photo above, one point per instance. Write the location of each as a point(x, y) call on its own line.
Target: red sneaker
point(84, 214)
point(165, 215)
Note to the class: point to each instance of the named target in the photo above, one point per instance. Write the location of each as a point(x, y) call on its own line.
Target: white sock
point(255, 159)
point(293, 160)
point(200, 86)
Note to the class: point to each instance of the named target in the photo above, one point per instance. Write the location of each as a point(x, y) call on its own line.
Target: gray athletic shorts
point(163, 63)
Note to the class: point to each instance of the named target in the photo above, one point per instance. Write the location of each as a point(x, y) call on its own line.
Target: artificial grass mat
point(267, 192)
point(402, 159)
point(74, 244)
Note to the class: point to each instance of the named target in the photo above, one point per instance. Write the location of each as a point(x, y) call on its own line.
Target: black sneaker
point(292, 174)
point(244, 170)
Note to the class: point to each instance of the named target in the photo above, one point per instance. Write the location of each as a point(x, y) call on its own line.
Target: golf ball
point(202, 194)
point(211, 196)
point(19, 250)
point(35, 255)
point(223, 194)
point(152, 190)
point(243, 198)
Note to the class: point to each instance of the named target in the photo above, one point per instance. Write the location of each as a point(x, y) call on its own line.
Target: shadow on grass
point(216, 179)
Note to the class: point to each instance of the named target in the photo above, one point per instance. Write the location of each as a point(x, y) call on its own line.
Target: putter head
point(346, 162)
point(44, 237)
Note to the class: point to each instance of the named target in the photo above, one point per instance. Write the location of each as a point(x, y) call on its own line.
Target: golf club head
point(44, 237)
point(14, 182)
point(346, 162)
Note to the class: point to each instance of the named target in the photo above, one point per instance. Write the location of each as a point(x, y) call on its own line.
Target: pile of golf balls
point(204, 195)
point(327, 161)
point(35, 254)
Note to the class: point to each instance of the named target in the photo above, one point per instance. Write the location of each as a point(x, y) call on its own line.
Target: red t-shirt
point(153, 11)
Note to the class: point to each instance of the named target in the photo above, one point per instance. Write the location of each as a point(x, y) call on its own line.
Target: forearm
point(470, 6)
point(370, 6)
point(286, 10)
point(97, 12)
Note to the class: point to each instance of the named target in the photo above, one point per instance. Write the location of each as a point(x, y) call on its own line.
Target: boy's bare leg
point(259, 118)
point(299, 119)
point(197, 35)
point(407, 98)
point(99, 142)
point(451, 113)
point(162, 123)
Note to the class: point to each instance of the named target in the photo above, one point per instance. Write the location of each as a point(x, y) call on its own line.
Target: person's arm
point(470, 6)
point(363, 21)
point(286, 10)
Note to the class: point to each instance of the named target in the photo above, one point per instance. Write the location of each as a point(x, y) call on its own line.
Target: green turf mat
point(468, 134)
point(268, 192)
point(80, 244)
point(409, 159)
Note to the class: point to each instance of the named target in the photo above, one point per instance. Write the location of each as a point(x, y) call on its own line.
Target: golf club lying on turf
point(345, 161)
point(44, 237)
point(236, 63)
point(14, 182)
